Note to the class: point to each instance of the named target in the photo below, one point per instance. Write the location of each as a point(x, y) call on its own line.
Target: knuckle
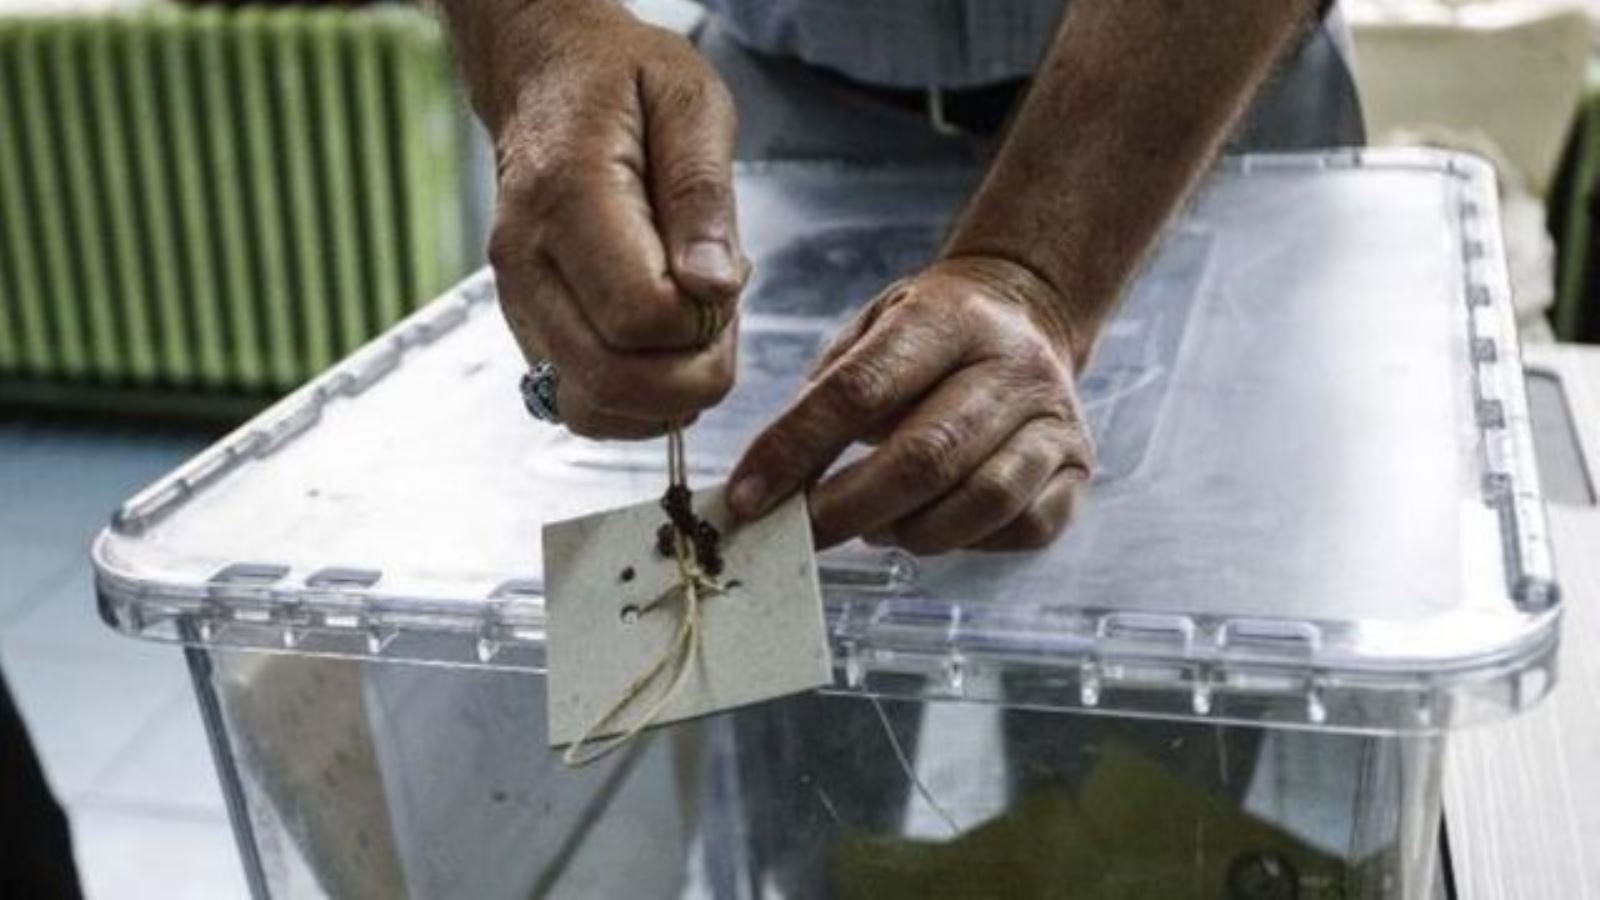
point(859, 387)
point(511, 233)
point(517, 178)
point(1077, 448)
point(714, 101)
point(689, 77)
point(931, 454)
point(518, 233)
point(996, 487)
point(908, 308)
point(509, 248)
point(684, 88)
point(972, 305)
point(1034, 362)
point(1081, 454)
point(696, 181)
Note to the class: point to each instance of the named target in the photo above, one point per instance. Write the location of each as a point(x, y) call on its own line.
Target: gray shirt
point(900, 43)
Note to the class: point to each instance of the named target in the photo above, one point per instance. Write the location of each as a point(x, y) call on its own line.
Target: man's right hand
point(615, 216)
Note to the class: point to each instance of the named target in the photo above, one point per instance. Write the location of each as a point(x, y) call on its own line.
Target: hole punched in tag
point(695, 546)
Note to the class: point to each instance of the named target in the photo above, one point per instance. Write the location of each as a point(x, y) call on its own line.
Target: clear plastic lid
point(1317, 502)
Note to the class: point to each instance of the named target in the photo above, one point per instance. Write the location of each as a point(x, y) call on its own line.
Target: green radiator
point(220, 201)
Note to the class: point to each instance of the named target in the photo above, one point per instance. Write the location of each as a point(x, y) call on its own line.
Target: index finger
point(653, 387)
point(891, 367)
point(604, 242)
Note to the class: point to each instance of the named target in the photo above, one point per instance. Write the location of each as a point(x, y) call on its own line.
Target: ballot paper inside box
point(1315, 546)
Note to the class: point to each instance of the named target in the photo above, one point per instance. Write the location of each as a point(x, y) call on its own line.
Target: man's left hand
point(963, 377)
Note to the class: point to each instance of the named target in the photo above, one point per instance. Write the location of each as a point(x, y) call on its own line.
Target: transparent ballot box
point(1314, 546)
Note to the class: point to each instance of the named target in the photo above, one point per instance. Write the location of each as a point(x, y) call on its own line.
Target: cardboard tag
point(763, 638)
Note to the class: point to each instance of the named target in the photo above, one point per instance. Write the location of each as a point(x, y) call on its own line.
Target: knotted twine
point(692, 543)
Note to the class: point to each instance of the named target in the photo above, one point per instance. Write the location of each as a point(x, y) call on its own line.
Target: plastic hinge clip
point(1491, 414)
point(145, 508)
point(1278, 637)
point(426, 331)
point(1147, 628)
point(250, 573)
point(338, 577)
point(383, 360)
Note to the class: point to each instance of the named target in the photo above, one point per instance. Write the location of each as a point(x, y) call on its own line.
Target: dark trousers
point(37, 858)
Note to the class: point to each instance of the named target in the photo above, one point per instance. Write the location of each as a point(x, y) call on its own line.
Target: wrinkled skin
point(963, 376)
point(615, 216)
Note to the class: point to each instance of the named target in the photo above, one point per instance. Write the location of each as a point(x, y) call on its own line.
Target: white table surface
point(1522, 798)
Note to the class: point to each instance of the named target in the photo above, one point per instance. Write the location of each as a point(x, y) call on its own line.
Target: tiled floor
point(113, 719)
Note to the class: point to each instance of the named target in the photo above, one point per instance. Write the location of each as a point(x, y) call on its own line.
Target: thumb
point(690, 123)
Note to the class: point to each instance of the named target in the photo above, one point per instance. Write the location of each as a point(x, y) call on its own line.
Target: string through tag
point(693, 547)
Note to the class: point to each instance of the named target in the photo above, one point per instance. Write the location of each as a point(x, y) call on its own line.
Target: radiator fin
point(220, 200)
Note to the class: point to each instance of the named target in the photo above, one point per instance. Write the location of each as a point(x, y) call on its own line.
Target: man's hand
point(615, 216)
point(964, 375)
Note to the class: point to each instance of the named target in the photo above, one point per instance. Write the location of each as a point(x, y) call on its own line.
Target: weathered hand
point(964, 374)
point(615, 219)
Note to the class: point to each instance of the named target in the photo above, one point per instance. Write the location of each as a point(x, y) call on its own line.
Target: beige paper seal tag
point(762, 637)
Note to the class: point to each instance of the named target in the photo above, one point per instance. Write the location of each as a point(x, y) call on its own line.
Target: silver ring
point(539, 386)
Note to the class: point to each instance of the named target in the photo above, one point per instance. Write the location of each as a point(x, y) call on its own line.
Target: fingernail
point(748, 496)
point(712, 261)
